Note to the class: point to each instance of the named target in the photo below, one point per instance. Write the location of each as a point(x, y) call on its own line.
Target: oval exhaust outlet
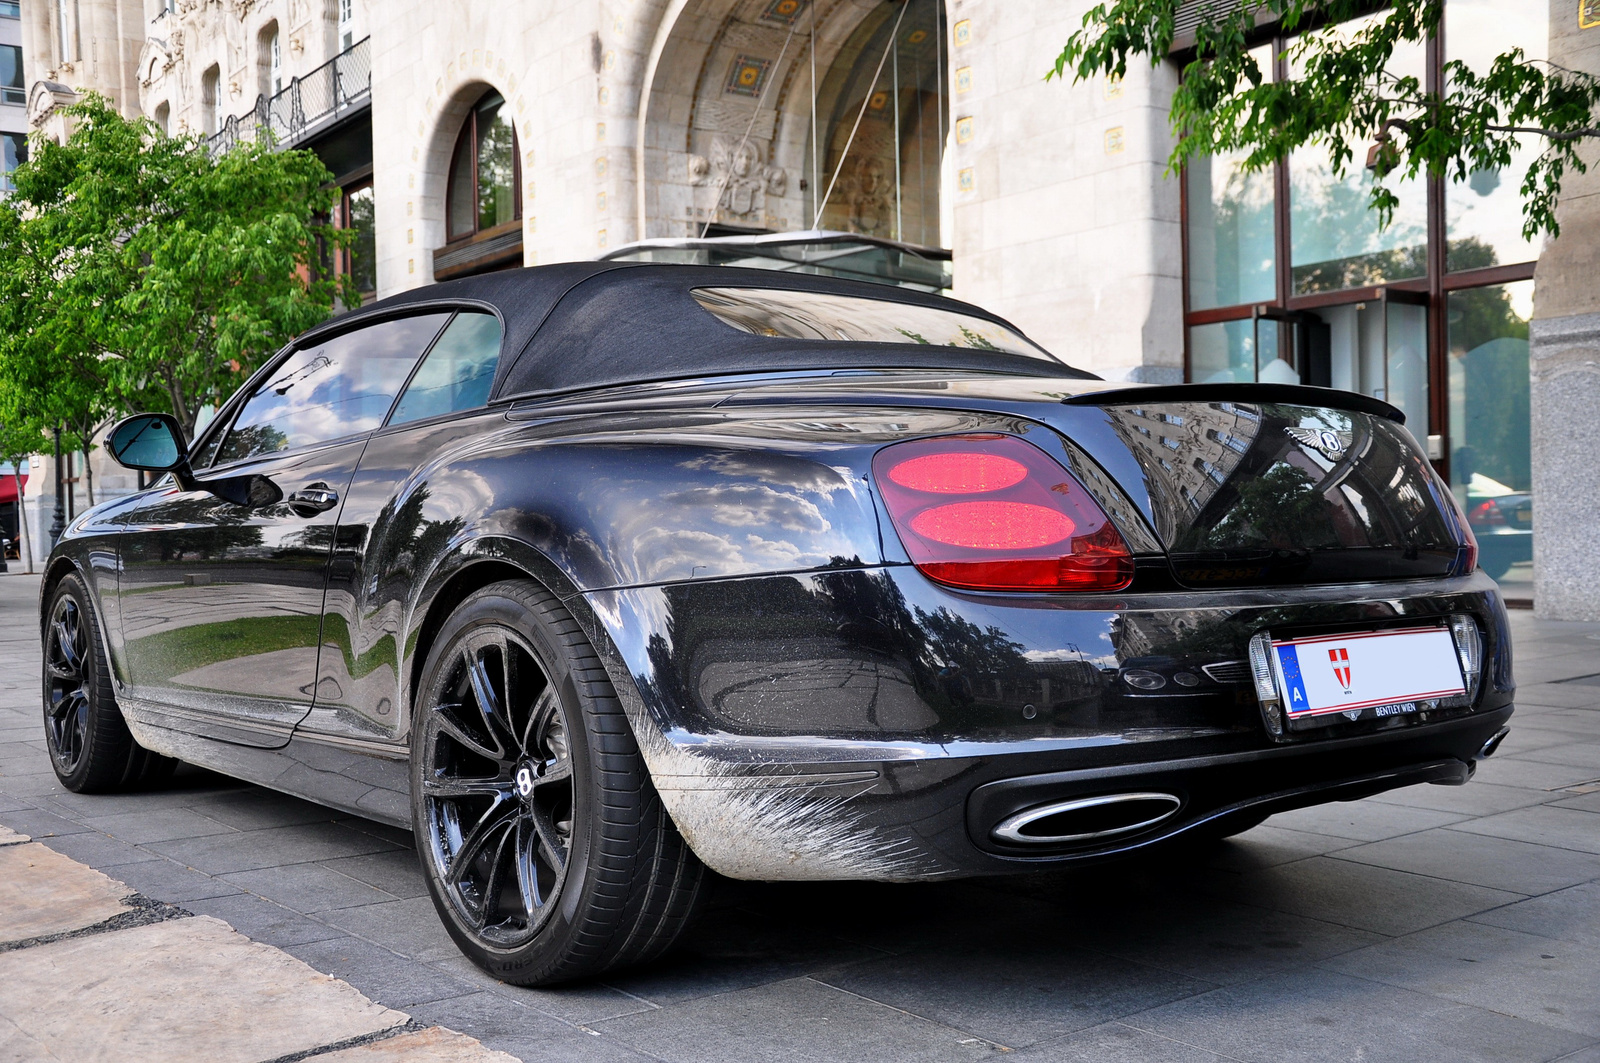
point(1086, 818)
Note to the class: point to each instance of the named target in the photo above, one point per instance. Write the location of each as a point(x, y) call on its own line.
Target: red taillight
point(1486, 515)
point(992, 512)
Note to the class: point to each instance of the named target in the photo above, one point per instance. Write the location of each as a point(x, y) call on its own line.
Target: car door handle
point(312, 499)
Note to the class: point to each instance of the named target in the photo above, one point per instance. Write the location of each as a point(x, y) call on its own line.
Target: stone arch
point(705, 150)
point(455, 93)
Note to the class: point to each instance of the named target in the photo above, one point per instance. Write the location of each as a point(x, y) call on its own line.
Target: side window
point(340, 387)
point(457, 373)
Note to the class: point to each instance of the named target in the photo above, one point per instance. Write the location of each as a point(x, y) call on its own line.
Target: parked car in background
point(599, 575)
point(1502, 521)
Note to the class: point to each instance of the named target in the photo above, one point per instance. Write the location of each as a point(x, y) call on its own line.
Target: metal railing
point(306, 105)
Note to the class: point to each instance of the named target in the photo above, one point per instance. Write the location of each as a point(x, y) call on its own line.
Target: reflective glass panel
point(824, 316)
point(1222, 352)
point(1335, 242)
point(878, 151)
point(1490, 466)
point(1484, 213)
point(1406, 364)
point(363, 256)
point(461, 208)
point(1232, 258)
point(497, 160)
point(13, 153)
point(458, 371)
point(341, 387)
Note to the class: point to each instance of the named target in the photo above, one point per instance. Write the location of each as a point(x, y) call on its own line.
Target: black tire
point(90, 746)
point(545, 847)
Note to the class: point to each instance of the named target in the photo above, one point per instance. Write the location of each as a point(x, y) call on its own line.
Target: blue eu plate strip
point(1289, 665)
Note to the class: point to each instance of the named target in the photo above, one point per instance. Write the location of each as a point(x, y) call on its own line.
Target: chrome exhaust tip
point(1086, 818)
point(1494, 743)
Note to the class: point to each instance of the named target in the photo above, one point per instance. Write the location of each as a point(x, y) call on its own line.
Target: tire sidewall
point(556, 938)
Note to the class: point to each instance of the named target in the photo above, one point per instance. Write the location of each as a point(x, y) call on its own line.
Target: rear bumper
point(868, 724)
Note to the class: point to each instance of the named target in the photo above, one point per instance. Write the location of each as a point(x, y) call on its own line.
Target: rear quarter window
point(825, 316)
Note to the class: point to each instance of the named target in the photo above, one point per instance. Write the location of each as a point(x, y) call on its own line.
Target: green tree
point(20, 436)
point(1345, 97)
point(139, 271)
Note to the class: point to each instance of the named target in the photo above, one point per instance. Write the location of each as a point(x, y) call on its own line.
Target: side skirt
point(358, 778)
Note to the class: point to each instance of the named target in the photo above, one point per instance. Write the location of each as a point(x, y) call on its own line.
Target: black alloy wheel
point(67, 679)
point(546, 849)
point(497, 787)
point(91, 748)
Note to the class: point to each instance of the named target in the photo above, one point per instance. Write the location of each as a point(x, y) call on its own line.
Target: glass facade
point(881, 113)
point(1289, 279)
point(1490, 468)
point(11, 88)
point(13, 153)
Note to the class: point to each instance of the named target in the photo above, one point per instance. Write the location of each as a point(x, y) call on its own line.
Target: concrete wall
point(1564, 360)
point(1063, 220)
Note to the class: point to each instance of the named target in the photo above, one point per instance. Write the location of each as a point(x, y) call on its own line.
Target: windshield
point(825, 316)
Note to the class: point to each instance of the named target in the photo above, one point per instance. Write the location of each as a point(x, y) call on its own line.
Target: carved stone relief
point(736, 168)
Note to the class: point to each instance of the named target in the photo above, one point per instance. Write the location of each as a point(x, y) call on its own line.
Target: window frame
point(15, 94)
point(388, 418)
point(469, 132)
point(1432, 287)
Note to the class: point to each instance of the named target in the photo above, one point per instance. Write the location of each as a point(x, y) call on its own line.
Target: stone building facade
point(472, 136)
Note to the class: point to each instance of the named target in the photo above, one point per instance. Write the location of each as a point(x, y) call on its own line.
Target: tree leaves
point(139, 272)
point(1346, 96)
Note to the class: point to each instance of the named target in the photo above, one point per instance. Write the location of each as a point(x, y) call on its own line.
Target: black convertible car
point(597, 575)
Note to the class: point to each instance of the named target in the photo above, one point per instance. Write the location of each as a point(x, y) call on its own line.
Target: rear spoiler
point(1289, 394)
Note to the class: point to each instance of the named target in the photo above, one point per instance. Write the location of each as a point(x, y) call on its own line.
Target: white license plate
point(1366, 670)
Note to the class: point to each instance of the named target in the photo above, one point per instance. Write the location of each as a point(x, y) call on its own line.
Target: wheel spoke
point(527, 874)
point(560, 773)
point(544, 713)
point(457, 733)
point(489, 700)
point(549, 840)
point(66, 645)
point(443, 786)
point(497, 816)
point(491, 886)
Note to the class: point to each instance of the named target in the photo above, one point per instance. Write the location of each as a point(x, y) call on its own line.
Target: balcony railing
point(308, 103)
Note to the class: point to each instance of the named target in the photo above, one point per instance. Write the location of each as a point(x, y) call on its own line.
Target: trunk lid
point(1250, 486)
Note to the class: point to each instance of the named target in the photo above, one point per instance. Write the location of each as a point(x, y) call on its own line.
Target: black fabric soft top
point(580, 325)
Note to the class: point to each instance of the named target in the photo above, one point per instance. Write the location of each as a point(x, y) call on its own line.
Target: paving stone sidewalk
point(1458, 923)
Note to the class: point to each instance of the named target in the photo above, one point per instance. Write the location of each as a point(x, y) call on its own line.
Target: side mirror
point(154, 442)
point(150, 441)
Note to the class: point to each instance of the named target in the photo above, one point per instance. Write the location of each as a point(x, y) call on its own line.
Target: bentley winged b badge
point(1330, 444)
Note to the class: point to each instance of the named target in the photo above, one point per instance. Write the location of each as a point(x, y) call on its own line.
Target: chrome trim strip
point(1010, 828)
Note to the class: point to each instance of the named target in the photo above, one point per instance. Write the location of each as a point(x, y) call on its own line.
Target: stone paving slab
point(11, 837)
point(433, 1045)
point(43, 893)
point(190, 989)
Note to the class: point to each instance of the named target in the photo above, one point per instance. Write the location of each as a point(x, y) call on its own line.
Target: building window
point(163, 116)
point(1288, 279)
point(67, 29)
point(274, 51)
point(360, 260)
point(11, 87)
point(347, 28)
point(10, 8)
point(13, 153)
point(209, 82)
point(485, 173)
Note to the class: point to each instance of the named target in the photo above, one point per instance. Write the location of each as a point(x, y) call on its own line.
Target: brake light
point(1486, 515)
point(1467, 549)
point(992, 512)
